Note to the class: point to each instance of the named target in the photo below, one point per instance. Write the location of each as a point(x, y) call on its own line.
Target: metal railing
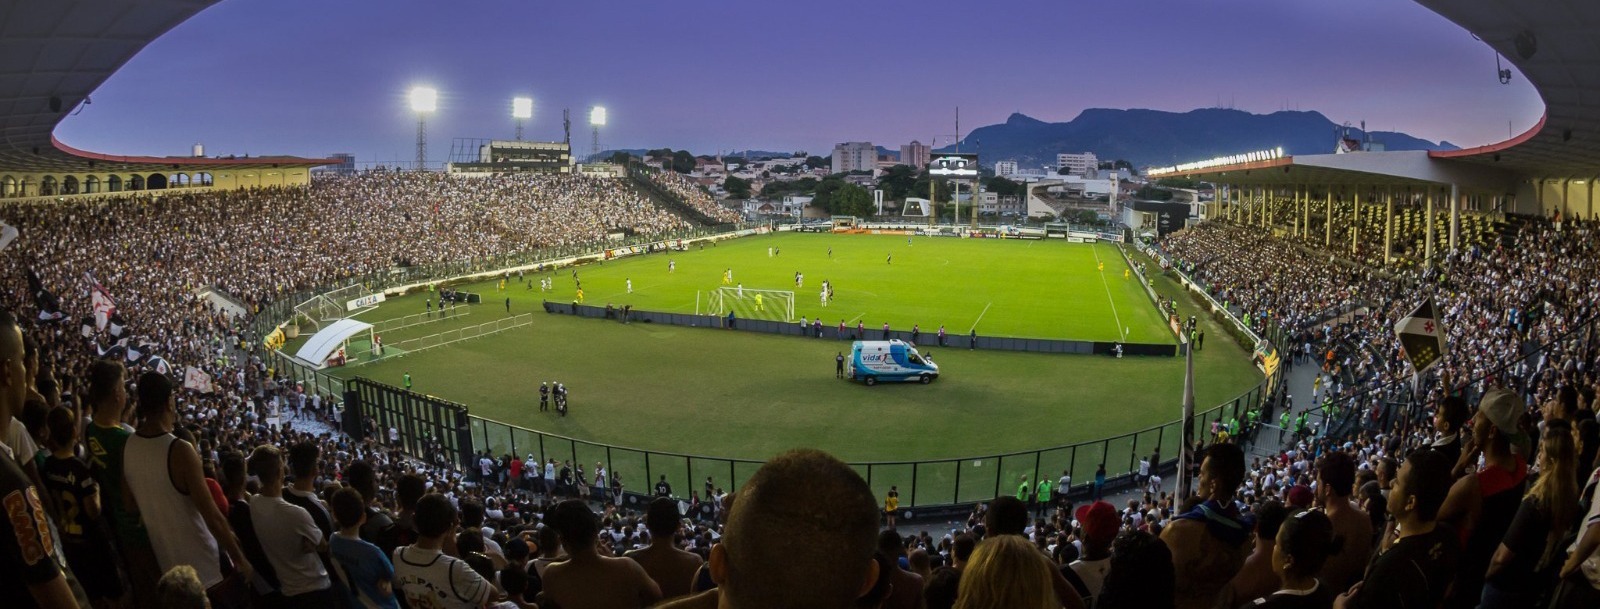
point(924, 483)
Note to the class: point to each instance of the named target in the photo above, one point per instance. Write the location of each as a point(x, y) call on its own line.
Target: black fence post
point(913, 484)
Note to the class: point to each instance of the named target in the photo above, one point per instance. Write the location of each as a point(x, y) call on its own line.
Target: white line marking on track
point(980, 317)
point(1109, 300)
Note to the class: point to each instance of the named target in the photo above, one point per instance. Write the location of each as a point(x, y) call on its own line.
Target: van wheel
point(926, 379)
point(870, 381)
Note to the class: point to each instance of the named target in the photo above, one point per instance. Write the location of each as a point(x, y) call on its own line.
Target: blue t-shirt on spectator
point(363, 565)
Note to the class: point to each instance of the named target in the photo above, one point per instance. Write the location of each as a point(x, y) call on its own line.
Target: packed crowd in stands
point(694, 195)
point(125, 489)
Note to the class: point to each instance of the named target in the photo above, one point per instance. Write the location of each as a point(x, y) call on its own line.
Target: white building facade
point(855, 156)
point(1078, 164)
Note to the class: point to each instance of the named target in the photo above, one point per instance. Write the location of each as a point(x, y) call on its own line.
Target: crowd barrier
point(831, 332)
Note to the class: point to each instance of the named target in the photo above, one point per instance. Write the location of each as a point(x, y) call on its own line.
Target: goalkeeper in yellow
point(760, 303)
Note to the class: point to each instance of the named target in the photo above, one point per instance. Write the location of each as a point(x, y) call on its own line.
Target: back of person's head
point(514, 581)
point(471, 513)
point(408, 489)
point(1269, 517)
point(435, 516)
point(576, 524)
point(942, 588)
point(549, 541)
point(1007, 515)
point(882, 585)
point(920, 561)
point(266, 462)
point(303, 459)
point(63, 427)
point(821, 504)
point(662, 519)
point(1453, 411)
point(961, 548)
point(105, 376)
point(361, 476)
point(1337, 474)
point(471, 540)
point(1306, 539)
point(1007, 572)
point(155, 392)
point(347, 506)
point(1141, 575)
point(231, 464)
point(1224, 466)
point(1425, 479)
point(180, 588)
point(890, 543)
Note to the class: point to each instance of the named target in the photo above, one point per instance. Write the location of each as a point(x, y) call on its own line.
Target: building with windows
point(855, 156)
point(915, 154)
point(1005, 168)
point(1083, 164)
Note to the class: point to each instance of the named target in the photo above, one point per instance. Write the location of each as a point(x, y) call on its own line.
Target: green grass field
point(719, 393)
point(1035, 289)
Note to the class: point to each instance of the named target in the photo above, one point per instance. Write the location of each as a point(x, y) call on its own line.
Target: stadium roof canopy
point(55, 53)
point(1551, 41)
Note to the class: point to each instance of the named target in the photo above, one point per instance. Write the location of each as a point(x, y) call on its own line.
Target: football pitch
point(720, 393)
point(1033, 289)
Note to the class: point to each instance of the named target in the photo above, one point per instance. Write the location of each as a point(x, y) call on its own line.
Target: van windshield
point(914, 359)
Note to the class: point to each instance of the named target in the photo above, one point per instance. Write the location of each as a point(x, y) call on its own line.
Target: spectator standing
point(426, 575)
point(587, 580)
point(163, 474)
point(1208, 543)
point(288, 535)
point(1418, 558)
point(32, 577)
point(67, 479)
point(1524, 564)
point(1256, 579)
point(363, 566)
point(104, 440)
point(670, 567)
point(1336, 478)
point(1099, 522)
point(1481, 504)
point(1007, 572)
point(1141, 574)
point(1305, 541)
point(906, 591)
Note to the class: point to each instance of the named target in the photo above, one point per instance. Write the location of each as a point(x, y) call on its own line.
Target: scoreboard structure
point(509, 156)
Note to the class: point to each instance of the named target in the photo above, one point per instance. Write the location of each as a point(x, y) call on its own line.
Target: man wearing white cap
point(1481, 504)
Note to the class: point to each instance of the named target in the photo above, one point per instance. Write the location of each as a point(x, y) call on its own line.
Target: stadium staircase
point(640, 176)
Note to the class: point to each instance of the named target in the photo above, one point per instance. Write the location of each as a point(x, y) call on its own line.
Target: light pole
point(521, 110)
point(597, 118)
point(423, 101)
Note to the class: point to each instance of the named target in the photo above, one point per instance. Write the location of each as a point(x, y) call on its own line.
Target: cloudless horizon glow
point(312, 78)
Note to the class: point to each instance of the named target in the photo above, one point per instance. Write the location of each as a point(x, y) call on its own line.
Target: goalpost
point(330, 306)
point(753, 303)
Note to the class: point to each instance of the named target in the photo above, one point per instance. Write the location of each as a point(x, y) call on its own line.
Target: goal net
point(751, 303)
point(330, 306)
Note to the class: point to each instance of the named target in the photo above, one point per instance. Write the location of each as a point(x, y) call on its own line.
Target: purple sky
point(314, 77)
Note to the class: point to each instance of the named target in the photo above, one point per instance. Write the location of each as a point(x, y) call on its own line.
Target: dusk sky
point(311, 78)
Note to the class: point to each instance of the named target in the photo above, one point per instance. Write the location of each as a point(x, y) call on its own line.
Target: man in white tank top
point(164, 476)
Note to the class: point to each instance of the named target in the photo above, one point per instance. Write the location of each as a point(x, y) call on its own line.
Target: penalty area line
point(853, 319)
point(980, 317)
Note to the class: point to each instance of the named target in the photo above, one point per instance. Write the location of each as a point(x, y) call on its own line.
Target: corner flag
point(1421, 337)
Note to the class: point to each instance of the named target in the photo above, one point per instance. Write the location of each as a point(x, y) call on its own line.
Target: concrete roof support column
point(1455, 217)
point(1355, 218)
point(1327, 222)
point(1388, 226)
point(1427, 253)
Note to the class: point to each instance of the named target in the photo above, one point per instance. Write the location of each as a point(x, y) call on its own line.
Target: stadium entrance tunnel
point(155, 181)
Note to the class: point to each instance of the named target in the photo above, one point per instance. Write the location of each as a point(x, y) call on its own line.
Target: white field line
point(1113, 302)
point(980, 317)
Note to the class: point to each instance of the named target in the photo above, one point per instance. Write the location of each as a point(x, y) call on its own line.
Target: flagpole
point(1185, 458)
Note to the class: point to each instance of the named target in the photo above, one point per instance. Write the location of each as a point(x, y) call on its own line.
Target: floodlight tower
point(597, 119)
point(423, 101)
point(521, 110)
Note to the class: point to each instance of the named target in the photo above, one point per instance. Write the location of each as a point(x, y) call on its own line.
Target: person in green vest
point(1042, 496)
point(1022, 490)
point(407, 380)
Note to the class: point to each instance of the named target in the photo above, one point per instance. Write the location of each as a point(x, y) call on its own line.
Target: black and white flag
point(1421, 337)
